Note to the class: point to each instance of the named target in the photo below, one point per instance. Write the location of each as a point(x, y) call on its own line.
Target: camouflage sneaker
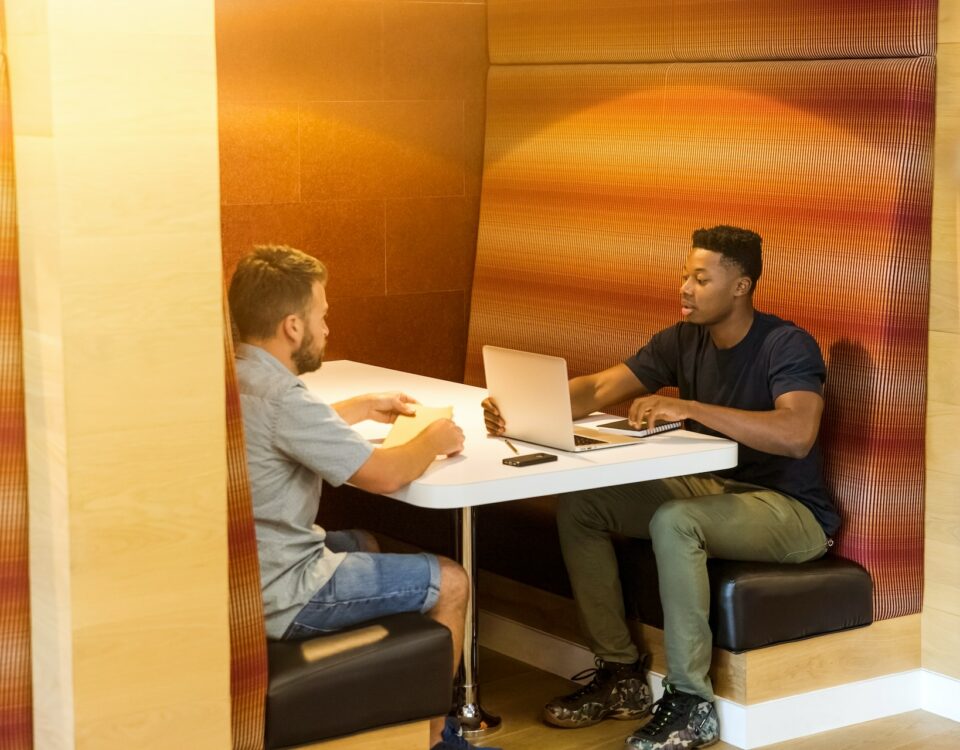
point(680, 720)
point(617, 691)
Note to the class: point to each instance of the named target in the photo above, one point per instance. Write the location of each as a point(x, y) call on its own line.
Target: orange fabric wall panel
point(596, 176)
point(585, 31)
point(248, 639)
point(16, 715)
point(354, 131)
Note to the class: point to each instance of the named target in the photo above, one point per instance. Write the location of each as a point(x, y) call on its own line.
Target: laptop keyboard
point(581, 440)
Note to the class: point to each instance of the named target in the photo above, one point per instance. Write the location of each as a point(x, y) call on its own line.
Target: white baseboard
point(941, 695)
point(818, 711)
point(758, 724)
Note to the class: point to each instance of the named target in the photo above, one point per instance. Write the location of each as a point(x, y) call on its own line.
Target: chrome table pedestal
point(474, 720)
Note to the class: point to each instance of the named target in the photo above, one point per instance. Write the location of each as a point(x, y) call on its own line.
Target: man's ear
point(744, 285)
point(291, 329)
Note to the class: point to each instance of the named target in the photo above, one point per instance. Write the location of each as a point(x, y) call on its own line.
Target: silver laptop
point(533, 396)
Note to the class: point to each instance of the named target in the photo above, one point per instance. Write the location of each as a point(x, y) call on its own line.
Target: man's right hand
point(389, 469)
point(491, 417)
point(444, 437)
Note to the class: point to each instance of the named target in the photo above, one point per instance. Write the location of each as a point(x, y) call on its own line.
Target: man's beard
point(305, 359)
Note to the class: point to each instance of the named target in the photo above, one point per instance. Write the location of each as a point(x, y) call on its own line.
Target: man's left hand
point(386, 407)
point(649, 411)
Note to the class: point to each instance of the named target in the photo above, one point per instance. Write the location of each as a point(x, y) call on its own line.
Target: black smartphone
point(530, 459)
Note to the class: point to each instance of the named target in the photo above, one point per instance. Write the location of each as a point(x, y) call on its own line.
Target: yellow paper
point(406, 428)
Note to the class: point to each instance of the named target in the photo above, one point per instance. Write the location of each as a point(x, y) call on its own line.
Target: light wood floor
point(517, 692)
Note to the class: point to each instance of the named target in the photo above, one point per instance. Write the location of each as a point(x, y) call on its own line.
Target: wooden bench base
point(411, 736)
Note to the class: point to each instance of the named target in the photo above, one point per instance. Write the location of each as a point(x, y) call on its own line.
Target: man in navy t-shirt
point(743, 374)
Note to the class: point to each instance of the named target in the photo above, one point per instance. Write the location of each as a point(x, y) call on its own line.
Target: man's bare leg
point(450, 611)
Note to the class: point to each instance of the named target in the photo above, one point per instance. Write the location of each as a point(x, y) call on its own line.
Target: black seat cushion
point(759, 604)
point(386, 671)
point(752, 604)
point(755, 604)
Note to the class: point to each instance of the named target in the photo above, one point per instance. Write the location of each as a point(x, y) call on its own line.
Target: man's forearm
point(389, 469)
point(582, 397)
point(782, 432)
point(590, 393)
point(353, 410)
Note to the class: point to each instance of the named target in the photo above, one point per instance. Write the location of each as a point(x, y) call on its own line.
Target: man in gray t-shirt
point(314, 581)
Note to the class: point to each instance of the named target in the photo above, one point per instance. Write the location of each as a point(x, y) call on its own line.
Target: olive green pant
point(688, 519)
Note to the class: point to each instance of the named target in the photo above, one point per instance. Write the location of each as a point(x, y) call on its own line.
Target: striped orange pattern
point(248, 640)
point(16, 713)
point(596, 175)
point(623, 31)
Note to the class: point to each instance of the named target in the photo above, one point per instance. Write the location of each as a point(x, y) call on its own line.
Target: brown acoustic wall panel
point(16, 714)
point(354, 131)
point(595, 177)
point(586, 31)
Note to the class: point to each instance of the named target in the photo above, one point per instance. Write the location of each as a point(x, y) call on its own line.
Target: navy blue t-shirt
point(775, 357)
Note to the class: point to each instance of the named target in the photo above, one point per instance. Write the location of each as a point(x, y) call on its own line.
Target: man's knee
point(579, 510)
point(454, 582)
point(672, 519)
point(366, 541)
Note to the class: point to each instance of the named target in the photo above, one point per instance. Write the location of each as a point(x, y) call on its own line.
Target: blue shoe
point(451, 738)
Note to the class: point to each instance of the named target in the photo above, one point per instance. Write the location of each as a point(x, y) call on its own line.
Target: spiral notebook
point(624, 427)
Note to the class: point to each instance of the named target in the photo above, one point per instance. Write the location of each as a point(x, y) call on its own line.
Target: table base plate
point(475, 722)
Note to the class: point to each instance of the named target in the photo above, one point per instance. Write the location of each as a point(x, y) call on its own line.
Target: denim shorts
point(367, 585)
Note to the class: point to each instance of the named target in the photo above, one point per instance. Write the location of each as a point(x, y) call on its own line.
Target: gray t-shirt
point(293, 441)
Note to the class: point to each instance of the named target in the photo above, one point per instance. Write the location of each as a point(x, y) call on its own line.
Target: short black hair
point(740, 246)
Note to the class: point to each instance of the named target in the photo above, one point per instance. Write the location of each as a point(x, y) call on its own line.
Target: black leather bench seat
point(755, 604)
point(752, 604)
point(387, 671)
point(759, 604)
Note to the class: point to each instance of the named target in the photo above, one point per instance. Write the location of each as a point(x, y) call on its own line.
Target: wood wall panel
point(354, 131)
point(115, 143)
point(939, 639)
point(941, 613)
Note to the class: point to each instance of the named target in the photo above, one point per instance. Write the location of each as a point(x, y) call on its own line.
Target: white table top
point(477, 476)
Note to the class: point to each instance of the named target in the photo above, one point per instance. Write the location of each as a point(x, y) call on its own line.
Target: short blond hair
point(270, 283)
